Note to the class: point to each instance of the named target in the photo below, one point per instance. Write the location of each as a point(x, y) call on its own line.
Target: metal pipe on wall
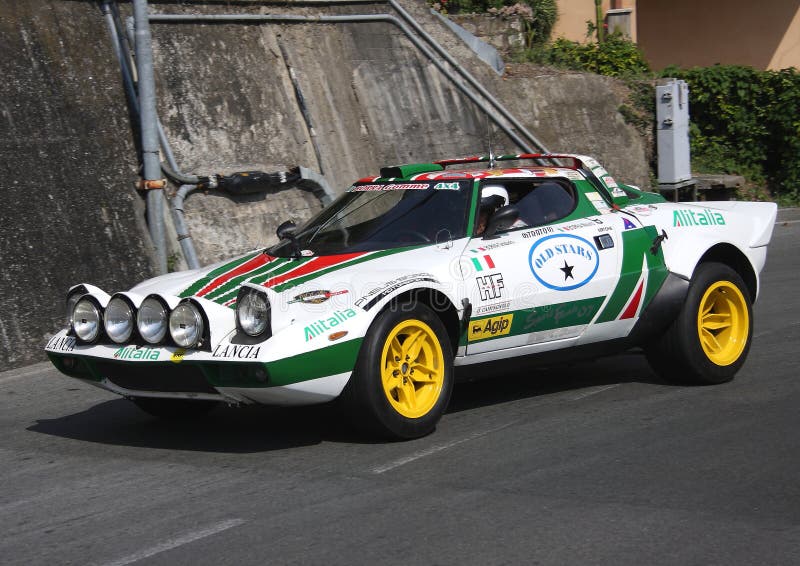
point(184, 238)
point(151, 164)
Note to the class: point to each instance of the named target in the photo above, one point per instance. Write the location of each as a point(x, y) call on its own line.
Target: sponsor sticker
point(392, 187)
point(627, 224)
point(320, 326)
point(446, 187)
point(177, 356)
point(591, 162)
point(702, 217)
point(535, 233)
point(492, 327)
point(610, 182)
point(494, 245)
point(236, 351)
point(563, 262)
point(490, 286)
point(576, 225)
point(641, 209)
point(61, 343)
point(134, 353)
point(316, 297)
point(493, 307)
point(598, 202)
point(370, 299)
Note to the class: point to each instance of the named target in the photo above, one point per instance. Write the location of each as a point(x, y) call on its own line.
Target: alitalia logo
point(134, 353)
point(703, 217)
point(316, 328)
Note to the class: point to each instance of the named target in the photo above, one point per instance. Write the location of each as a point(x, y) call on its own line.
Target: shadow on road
point(252, 429)
point(499, 382)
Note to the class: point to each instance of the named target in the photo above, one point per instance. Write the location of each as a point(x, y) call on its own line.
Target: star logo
point(567, 269)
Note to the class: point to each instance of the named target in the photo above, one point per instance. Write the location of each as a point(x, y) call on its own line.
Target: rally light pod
point(87, 319)
point(186, 325)
point(152, 320)
point(119, 319)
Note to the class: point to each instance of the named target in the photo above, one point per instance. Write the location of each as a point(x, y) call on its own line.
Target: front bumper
point(315, 376)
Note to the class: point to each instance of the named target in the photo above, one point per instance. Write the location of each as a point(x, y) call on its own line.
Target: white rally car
point(427, 267)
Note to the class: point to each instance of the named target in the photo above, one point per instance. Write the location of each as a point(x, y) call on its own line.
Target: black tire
point(681, 356)
point(174, 409)
point(412, 400)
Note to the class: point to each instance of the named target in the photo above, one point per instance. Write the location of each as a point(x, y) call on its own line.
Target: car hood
point(220, 282)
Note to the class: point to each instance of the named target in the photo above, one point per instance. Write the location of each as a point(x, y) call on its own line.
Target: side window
point(543, 203)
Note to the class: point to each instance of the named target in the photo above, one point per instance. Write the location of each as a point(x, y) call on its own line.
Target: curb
point(788, 214)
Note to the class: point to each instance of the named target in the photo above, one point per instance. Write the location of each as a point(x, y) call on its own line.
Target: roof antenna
point(489, 141)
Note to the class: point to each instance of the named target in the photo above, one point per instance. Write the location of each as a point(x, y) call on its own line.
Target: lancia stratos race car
point(429, 266)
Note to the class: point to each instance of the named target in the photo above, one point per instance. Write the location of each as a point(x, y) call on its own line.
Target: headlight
point(72, 299)
point(186, 325)
point(252, 312)
point(152, 320)
point(86, 320)
point(118, 320)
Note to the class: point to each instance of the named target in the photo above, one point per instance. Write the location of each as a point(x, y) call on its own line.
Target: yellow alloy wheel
point(723, 323)
point(412, 368)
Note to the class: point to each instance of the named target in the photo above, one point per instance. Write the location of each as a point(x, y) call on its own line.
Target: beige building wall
point(573, 15)
point(688, 33)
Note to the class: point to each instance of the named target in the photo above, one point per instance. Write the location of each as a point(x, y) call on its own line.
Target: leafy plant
point(615, 57)
point(747, 122)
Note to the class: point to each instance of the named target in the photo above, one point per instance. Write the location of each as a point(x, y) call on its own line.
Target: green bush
point(745, 121)
point(614, 57)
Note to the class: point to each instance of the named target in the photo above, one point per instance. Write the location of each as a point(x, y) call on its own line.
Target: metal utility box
point(672, 132)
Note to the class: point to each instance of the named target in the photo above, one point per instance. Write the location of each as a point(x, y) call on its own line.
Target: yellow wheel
point(723, 323)
point(403, 378)
point(412, 368)
point(708, 341)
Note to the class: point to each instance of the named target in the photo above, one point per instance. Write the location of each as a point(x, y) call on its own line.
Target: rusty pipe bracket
point(151, 184)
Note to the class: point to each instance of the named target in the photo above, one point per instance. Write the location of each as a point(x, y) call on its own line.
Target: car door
point(574, 268)
point(544, 283)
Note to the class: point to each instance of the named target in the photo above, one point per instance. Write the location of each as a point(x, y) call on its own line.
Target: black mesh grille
point(151, 377)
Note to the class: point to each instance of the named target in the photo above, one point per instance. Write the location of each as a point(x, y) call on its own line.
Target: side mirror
point(502, 218)
point(286, 230)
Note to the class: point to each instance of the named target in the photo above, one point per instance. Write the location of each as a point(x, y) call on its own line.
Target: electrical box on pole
point(672, 132)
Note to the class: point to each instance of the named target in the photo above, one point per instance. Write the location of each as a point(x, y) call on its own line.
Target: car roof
point(570, 166)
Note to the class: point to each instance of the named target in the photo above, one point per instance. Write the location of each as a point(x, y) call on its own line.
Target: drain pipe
point(184, 238)
point(387, 18)
point(127, 77)
point(308, 179)
point(151, 165)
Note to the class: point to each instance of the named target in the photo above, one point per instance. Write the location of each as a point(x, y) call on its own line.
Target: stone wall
point(226, 100)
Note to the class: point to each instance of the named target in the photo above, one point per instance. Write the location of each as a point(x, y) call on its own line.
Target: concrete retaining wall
point(68, 160)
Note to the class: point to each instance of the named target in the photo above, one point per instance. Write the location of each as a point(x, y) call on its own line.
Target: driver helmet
point(494, 196)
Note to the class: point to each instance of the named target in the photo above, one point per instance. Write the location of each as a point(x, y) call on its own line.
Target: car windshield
point(383, 215)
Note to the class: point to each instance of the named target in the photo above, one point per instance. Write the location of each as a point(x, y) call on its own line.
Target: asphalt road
point(597, 463)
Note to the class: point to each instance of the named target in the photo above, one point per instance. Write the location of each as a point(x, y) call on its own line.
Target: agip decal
point(492, 327)
point(563, 262)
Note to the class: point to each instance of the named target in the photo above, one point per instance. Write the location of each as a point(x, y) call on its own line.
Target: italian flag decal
point(279, 273)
